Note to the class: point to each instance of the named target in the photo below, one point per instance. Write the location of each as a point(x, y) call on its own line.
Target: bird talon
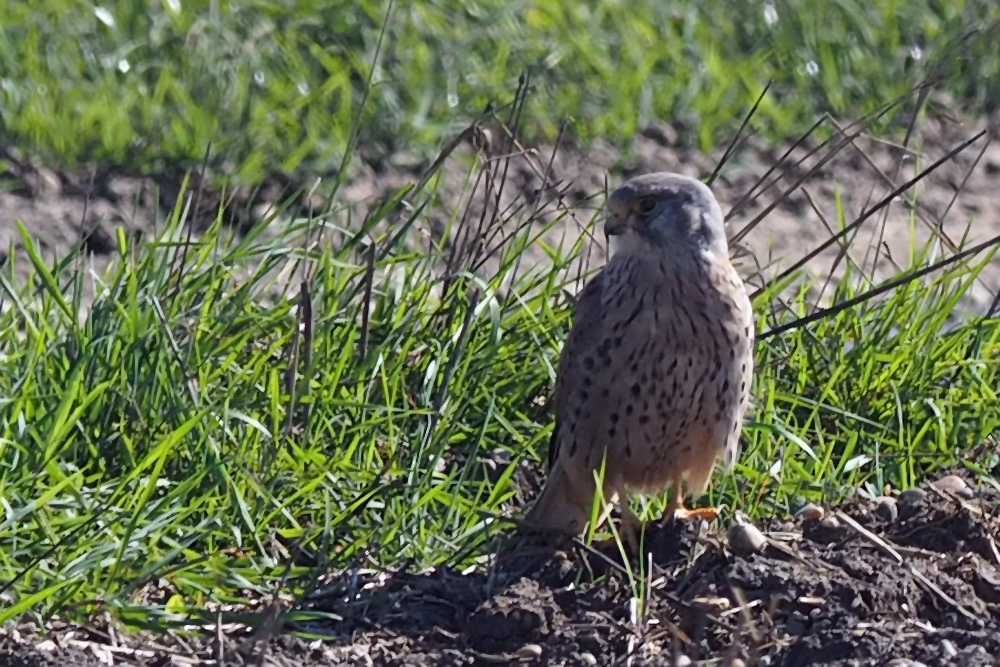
point(683, 514)
point(629, 532)
point(631, 529)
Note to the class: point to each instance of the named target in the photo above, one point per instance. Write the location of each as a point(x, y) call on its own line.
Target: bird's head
point(665, 213)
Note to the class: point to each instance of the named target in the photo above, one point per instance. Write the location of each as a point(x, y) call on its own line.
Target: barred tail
point(562, 506)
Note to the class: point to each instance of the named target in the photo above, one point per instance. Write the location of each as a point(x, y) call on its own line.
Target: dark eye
point(646, 205)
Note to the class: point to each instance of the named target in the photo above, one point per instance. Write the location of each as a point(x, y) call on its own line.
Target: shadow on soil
point(874, 582)
point(916, 578)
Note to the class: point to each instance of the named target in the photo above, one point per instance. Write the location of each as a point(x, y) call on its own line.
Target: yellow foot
point(681, 513)
point(706, 513)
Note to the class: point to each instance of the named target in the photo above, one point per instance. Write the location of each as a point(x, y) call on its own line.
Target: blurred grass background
point(274, 85)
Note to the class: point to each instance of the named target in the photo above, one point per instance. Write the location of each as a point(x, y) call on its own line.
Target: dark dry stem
point(742, 201)
point(921, 100)
point(737, 137)
point(539, 202)
point(878, 207)
point(888, 286)
point(749, 227)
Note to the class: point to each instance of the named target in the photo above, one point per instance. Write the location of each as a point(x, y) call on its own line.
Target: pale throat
point(629, 244)
point(632, 245)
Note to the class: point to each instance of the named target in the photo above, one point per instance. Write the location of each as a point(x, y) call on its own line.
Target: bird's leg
point(630, 527)
point(677, 512)
point(675, 503)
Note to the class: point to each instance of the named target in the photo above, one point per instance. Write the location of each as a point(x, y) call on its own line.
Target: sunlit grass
point(193, 437)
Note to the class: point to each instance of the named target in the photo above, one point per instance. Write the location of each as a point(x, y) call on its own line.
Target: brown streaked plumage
point(654, 379)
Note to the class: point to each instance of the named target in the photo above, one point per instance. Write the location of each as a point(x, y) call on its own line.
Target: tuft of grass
point(273, 88)
point(212, 428)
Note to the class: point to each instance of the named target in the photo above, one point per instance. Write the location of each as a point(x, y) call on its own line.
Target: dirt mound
point(914, 579)
point(909, 579)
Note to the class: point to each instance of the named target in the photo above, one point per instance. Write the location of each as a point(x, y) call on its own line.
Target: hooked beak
point(616, 224)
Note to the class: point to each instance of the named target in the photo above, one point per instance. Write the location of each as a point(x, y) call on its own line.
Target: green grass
point(207, 431)
point(147, 86)
point(194, 438)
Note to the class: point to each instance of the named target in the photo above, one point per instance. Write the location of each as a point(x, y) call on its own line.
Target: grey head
point(666, 212)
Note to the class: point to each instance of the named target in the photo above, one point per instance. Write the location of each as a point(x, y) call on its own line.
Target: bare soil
point(957, 203)
point(920, 585)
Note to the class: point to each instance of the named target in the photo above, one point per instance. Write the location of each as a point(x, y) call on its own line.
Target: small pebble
point(587, 658)
point(811, 512)
point(912, 497)
point(711, 604)
point(954, 484)
point(529, 652)
point(682, 661)
point(948, 648)
point(886, 508)
point(830, 523)
point(746, 539)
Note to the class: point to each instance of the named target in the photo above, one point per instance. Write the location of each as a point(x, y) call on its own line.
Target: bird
point(653, 381)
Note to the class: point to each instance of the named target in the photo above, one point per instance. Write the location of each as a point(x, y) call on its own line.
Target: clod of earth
point(746, 539)
point(954, 484)
point(886, 508)
point(811, 512)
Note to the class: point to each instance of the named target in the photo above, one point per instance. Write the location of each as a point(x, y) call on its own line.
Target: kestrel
point(654, 378)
